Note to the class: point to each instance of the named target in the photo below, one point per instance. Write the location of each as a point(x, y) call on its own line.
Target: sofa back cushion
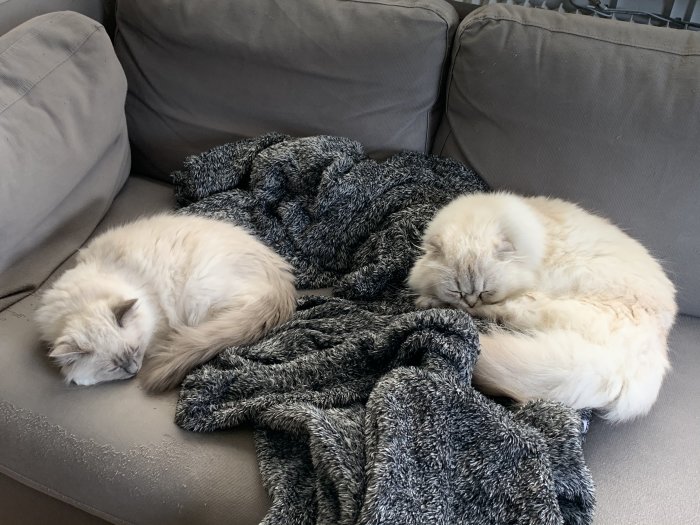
point(600, 112)
point(208, 72)
point(64, 150)
point(14, 12)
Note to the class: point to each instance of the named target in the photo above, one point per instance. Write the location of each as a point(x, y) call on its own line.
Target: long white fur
point(590, 306)
point(200, 285)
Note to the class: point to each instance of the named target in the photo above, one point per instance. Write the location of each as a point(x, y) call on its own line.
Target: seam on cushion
point(450, 79)
point(447, 137)
point(421, 7)
point(502, 18)
point(31, 33)
point(372, 2)
point(444, 58)
point(53, 493)
point(35, 30)
point(72, 53)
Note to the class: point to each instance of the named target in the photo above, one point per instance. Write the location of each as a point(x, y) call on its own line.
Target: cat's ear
point(121, 309)
point(66, 353)
point(505, 249)
point(433, 245)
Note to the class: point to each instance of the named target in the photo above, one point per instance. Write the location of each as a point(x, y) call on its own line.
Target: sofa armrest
point(64, 151)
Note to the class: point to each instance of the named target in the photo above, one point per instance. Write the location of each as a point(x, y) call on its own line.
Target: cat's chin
point(425, 303)
point(92, 382)
point(83, 382)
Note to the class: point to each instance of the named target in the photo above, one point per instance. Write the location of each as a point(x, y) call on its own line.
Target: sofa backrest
point(600, 112)
point(212, 71)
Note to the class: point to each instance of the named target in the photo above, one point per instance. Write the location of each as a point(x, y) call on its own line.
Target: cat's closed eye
point(486, 296)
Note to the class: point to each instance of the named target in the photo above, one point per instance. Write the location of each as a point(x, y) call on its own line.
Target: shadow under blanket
point(362, 404)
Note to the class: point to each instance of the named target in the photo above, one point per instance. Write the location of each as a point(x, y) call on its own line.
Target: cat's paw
point(426, 303)
point(490, 312)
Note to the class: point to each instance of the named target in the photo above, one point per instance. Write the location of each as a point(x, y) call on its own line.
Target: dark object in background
point(679, 14)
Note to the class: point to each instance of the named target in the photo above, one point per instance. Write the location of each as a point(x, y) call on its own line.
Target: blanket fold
point(363, 405)
point(342, 220)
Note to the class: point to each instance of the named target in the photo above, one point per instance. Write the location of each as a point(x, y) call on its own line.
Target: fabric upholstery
point(112, 450)
point(208, 72)
point(115, 451)
point(20, 504)
point(14, 12)
point(648, 471)
point(64, 150)
point(595, 111)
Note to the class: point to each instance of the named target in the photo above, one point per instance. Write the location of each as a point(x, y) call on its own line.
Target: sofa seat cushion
point(648, 471)
point(64, 151)
point(208, 72)
point(596, 111)
point(113, 450)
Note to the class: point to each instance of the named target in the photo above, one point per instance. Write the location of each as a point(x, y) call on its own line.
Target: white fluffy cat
point(177, 289)
point(589, 307)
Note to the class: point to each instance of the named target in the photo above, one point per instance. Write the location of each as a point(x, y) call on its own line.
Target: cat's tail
point(621, 382)
point(243, 323)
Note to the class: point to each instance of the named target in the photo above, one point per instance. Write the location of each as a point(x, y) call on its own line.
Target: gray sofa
point(597, 111)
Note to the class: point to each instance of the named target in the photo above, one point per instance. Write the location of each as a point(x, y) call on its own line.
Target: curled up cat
point(584, 310)
point(175, 289)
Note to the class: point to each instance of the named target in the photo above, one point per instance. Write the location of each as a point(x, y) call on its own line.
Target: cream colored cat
point(590, 306)
point(175, 288)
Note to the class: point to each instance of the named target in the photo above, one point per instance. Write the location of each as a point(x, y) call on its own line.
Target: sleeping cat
point(585, 309)
point(177, 289)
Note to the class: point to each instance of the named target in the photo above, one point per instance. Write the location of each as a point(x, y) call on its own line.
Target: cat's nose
point(472, 300)
point(131, 367)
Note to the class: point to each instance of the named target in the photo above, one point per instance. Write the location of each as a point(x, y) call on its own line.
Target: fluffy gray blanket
point(363, 406)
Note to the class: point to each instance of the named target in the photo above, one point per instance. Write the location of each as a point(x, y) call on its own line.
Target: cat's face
point(468, 272)
point(102, 341)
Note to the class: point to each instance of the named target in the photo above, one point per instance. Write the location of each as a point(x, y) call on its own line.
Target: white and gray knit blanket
point(362, 405)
